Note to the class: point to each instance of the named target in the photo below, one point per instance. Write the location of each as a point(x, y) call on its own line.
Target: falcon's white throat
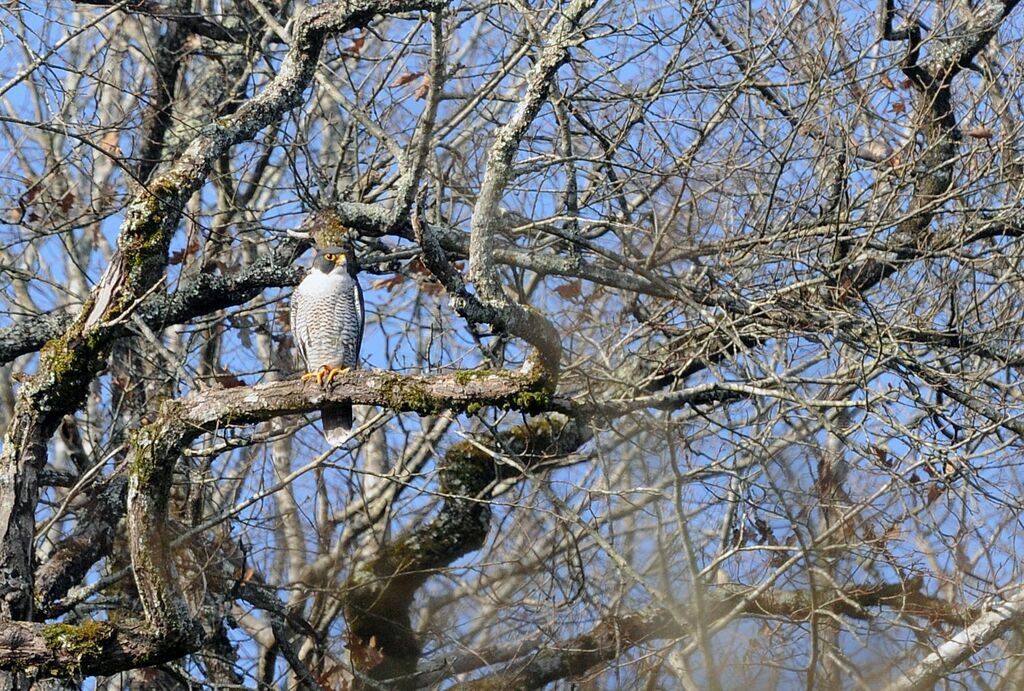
point(317, 282)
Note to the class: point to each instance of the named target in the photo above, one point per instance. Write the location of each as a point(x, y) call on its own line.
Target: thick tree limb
point(29, 335)
point(88, 648)
point(209, 410)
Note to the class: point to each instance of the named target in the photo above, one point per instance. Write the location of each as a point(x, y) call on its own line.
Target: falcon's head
point(333, 259)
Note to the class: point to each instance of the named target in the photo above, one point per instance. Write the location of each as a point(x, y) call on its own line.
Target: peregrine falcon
point(327, 325)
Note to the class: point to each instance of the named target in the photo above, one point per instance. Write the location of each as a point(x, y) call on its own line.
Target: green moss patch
point(78, 641)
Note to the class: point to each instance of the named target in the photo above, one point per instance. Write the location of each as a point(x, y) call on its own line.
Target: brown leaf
point(899, 107)
point(432, 288)
point(417, 266)
point(906, 84)
point(229, 380)
point(333, 679)
point(355, 49)
point(569, 290)
point(108, 144)
point(178, 256)
point(366, 656)
point(933, 493)
point(886, 82)
point(389, 283)
point(423, 89)
point(66, 202)
point(405, 78)
point(980, 132)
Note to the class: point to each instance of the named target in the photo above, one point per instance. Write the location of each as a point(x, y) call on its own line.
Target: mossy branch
point(83, 649)
point(454, 391)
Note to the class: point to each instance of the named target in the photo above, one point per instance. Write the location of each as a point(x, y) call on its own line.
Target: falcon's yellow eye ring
point(336, 258)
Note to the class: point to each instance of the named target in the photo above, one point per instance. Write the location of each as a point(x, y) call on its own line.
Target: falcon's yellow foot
point(319, 374)
point(325, 374)
point(334, 372)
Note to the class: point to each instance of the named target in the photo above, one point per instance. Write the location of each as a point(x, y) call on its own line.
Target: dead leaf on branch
point(228, 380)
point(405, 78)
point(365, 655)
point(423, 89)
point(569, 290)
point(980, 132)
point(178, 256)
point(389, 283)
point(355, 49)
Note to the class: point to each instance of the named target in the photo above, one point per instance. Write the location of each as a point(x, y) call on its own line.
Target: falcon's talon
point(323, 372)
point(309, 376)
point(335, 371)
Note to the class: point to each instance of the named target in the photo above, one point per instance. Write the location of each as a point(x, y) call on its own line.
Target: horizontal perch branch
point(425, 394)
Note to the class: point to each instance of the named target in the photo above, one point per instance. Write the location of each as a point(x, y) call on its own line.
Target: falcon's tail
point(337, 421)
